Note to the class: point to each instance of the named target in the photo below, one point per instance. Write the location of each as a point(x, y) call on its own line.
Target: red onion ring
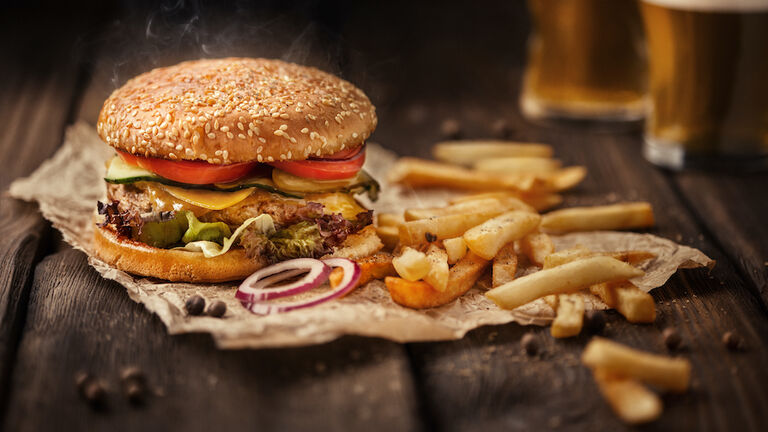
point(257, 287)
point(347, 284)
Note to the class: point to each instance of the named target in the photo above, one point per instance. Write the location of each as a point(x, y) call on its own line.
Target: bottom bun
point(173, 265)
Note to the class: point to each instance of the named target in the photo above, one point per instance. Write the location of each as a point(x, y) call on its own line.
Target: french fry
point(376, 266)
point(500, 195)
point(389, 235)
point(609, 217)
point(425, 173)
point(504, 265)
point(537, 246)
point(443, 227)
point(566, 278)
point(411, 265)
point(389, 219)
point(489, 204)
point(542, 202)
point(633, 402)
point(633, 257)
point(518, 165)
point(421, 295)
point(565, 256)
point(456, 249)
point(499, 205)
point(468, 152)
point(673, 374)
point(569, 309)
point(438, 272)
point(489, 237)
point(566, 178)
point(636, 305)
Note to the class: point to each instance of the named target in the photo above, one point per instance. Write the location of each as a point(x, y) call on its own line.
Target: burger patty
point(145, 197)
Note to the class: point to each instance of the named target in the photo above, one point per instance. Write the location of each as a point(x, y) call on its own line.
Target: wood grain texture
point(734, 211)
point(79, 321)
point(35, 107)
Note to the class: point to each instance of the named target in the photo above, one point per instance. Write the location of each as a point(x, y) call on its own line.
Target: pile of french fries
point(439, 253)
point(621, 372)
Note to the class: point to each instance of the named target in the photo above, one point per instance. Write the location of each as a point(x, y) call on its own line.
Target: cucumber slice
point(120, 172)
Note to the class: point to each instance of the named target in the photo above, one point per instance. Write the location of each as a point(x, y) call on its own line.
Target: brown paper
point(68, 185)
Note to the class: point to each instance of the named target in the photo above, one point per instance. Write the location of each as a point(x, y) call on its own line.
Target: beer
point(586, 60)
point(708, 82)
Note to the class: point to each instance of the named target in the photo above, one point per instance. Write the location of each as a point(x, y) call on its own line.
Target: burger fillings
point(224, 166)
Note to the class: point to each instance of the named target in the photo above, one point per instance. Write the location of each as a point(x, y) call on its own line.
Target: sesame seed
point(217, 153)
point(189, 152)
point(208, 127)
point(241, 136)
point(270, 159)
point(259, 158)
point(179, 147)
point(283, 127)
point(211, 135)
point(240, 126)
point(204, 156)
point(225, 154)
point(284, 116)
point(230, 135)
point(289, 155)
point(262, 139)
point(305, 130)
point(172, 156)
point(224, 129)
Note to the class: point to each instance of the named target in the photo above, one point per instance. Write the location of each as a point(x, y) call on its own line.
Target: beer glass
point(708, 83)
point(586, 60)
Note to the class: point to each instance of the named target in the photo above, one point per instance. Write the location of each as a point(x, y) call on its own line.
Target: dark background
point(462, 53)
point(421, 63)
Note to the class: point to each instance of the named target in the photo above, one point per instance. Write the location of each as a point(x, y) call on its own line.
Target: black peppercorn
point(429, 237)
point(450, 129)
point(732, 341)
point(195, 305)
point(91, 390)
point(217, 309)
point(501, 129)
point(529, 345)
point(134, 384)
point(671, 338)
point(594, 321)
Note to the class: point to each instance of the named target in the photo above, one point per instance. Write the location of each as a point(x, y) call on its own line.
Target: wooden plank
point(485, 381)
point(733, 210)
point(35, 103)
point(78, 321)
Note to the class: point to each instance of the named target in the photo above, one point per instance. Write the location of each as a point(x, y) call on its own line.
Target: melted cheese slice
point(338, 203)
point(211, 200)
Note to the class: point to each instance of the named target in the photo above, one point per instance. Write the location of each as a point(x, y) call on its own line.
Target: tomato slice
point(190, 172)
point(325, 169)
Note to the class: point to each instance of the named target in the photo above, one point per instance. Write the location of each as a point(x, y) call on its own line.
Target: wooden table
point(420, 66)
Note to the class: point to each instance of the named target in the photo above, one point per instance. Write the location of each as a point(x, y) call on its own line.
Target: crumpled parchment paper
point(67, 186)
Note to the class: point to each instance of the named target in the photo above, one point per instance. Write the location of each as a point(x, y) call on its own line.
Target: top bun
point(236, 110)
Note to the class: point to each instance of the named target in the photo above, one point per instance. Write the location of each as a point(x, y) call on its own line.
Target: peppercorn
point(195, 305)
point(450, 129)
point(671, 338)
point(134, 384)
point(594, 321)
point(217, 309)
point(529, 345)
point(429, 237)
point(732, 341)
point(501, 129)
point(91, 390)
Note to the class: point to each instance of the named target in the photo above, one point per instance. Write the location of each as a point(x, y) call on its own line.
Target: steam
point(181, 30)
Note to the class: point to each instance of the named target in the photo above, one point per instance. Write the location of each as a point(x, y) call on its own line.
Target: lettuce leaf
point(262, 224)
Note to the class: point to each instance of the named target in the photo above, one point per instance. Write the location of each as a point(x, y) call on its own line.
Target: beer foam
point(713, 5)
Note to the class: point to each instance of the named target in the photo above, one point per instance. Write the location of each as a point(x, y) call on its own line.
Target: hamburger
point(225, 166)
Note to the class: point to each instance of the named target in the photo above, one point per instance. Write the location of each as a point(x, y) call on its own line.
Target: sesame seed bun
point(236, 110)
